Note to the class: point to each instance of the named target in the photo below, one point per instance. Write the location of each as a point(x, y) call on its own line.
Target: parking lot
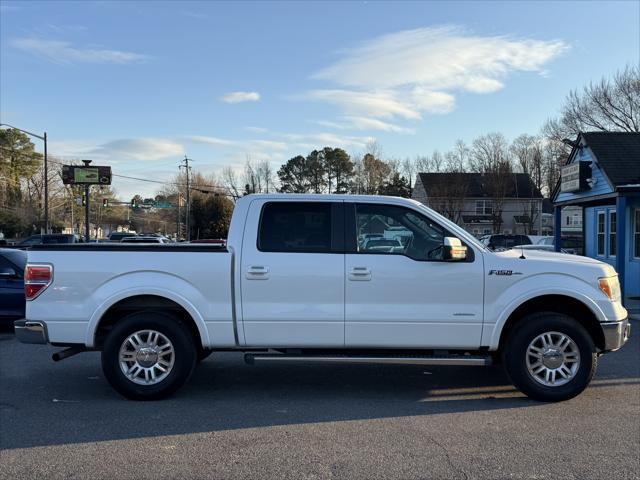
point(62, 420)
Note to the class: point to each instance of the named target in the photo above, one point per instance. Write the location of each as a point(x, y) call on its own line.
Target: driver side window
point(390, 230)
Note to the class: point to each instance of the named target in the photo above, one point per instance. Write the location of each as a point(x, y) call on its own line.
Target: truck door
point(399, 291)
point(292, 274)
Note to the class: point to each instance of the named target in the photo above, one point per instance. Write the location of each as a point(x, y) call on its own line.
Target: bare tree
point(409, 171)
point(265, 174)
point(252, 181)
point(457, 160)
point(231, 182)
point(490, 156)
point(608, 105)
point(554, 155)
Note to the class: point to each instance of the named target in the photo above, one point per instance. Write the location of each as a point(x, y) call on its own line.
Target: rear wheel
point(550, 357)
point(148, 355)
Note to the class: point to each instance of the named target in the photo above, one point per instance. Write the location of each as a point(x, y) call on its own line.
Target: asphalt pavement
point(301, 421)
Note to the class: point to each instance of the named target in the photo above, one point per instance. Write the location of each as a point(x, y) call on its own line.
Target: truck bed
point(88, 279)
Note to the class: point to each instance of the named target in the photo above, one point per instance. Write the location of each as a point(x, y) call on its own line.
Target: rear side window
point(295, 227)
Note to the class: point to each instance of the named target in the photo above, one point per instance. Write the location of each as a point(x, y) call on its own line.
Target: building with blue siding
point(602, 175)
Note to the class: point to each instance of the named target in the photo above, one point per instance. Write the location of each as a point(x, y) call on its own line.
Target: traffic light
point(134, 204)
point(105, 202)
point(84, 200)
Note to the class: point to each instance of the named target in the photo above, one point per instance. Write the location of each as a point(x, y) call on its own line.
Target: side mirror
point(8, 272)
point(454, 250)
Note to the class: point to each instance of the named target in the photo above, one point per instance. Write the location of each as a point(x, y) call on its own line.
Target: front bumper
point(29, 331)
point(615, 334)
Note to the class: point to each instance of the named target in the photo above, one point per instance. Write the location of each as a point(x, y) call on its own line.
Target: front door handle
point(360, 274)
point(257, 272)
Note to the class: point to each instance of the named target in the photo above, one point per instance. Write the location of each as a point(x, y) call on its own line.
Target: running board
point(468, 360)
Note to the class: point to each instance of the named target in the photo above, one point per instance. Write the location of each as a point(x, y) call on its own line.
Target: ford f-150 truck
point(296, 282)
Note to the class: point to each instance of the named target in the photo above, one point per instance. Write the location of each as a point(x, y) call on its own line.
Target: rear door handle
point(360, 274)
point(257, 272)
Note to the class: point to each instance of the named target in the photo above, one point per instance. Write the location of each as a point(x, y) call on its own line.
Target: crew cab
point(296, 283)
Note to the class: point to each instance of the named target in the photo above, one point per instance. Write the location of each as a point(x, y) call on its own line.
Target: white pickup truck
point(296, 282)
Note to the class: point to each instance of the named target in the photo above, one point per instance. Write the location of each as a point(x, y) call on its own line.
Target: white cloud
point(215, 141)
point(9, 8)
point(364, 123)
point(63, 29)
point(65, 53)
point(238, 144)
point(194, 14)
point(438, 58)
point(373, 103)
point(268, 145)
point(324, 139)
point(238, 97)
point(119, 151)
point(140, 149)
point(412, 72)
point(256, 129)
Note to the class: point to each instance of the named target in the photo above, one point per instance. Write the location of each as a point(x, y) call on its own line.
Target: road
point(62, 420)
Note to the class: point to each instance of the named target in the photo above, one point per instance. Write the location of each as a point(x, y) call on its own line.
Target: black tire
point(185, 354)
point(515, 351)
point(203, 354)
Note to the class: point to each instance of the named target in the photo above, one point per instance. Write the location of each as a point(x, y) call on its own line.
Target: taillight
point(36, 279)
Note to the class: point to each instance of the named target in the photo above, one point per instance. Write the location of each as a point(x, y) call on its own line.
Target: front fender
point(147, 283)
point(529, 288)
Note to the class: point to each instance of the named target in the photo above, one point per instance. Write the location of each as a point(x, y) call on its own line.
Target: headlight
point(610, 286)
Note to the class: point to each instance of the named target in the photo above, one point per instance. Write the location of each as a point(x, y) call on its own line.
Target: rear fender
point(148, 283)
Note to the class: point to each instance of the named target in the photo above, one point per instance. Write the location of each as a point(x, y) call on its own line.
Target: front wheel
point(148, 355)
point(550, 357)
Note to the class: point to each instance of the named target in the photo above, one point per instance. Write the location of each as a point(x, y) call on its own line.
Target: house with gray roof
point(485, 203)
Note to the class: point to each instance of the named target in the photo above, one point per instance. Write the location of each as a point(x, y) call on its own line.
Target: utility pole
point(188, 214)
point(178, 218)
point(87, 233)
point(46, 187)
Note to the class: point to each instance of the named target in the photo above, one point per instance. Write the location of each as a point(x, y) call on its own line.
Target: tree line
point(611, 104)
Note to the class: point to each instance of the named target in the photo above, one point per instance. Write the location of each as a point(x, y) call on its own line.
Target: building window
point(612, 233)
point(484, 207)
point(636, 234)
point(600, 233)
point(574, 220)
point(577, 220)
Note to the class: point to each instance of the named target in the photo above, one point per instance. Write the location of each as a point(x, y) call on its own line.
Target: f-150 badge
point(504, 272)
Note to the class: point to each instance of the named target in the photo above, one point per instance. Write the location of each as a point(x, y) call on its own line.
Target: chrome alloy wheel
point(553, 359)
point(146, 357)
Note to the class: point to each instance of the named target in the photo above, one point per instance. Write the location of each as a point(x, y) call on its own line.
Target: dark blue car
point(12, 301)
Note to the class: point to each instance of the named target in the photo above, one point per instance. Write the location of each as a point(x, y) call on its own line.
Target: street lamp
point(46, 172)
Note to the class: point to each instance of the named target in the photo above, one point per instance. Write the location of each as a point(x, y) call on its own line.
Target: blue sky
point(138, 84)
